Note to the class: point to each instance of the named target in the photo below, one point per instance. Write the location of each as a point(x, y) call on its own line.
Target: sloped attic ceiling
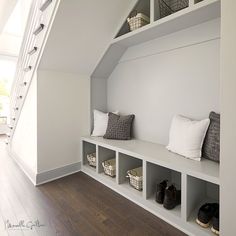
point(81, 33)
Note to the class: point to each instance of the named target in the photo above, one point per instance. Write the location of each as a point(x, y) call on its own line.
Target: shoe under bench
point(198, 180)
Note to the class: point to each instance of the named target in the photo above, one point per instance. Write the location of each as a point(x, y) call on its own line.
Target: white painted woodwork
point(159, 155)
point(198, 181)
point(26, 60)
point(228, 118)
point(193, 15)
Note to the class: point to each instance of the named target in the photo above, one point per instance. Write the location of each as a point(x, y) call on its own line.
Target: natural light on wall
point(11, 35)
point(7, 71)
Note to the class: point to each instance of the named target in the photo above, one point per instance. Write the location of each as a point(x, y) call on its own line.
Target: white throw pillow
point(186, 136)
point(100, 123)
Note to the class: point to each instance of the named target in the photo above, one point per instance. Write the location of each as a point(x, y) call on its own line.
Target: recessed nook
point(126, 163)
point(156, 174)
point(199, 192)
point(142, 6)
point(164, 8)
point(105, 154)
point(88, 148)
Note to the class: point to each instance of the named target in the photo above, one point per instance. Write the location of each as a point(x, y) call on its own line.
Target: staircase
point(41, 16)
point(61, 44)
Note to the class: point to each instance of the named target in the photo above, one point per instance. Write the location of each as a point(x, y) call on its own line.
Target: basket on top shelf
point(109, 167)
point(92, 159)
point(136, 178)
point(137, 20)
point(168, 7)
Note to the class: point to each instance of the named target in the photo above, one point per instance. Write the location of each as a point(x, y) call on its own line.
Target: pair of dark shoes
point(209, 213)
point(170, 197)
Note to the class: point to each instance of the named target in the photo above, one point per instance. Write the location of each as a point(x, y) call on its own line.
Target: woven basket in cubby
point(109, 167)
point(136, 178)
point(92, 159)
point(137, 20)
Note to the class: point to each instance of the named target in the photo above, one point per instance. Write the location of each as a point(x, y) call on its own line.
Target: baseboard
point(26, 170)
point(47, 176)
point(57, 173)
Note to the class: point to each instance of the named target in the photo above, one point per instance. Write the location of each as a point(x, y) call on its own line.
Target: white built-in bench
point(199, 181)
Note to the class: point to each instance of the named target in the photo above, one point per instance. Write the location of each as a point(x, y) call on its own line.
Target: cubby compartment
point(126, 163)
point(163, 8)
point(199, 192)
point(197, 1)
point(105, 154)
point(143, 6)
point(88, 148)
point(156, 174)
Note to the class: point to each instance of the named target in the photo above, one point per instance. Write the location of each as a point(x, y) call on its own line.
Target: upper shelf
point(194, 14)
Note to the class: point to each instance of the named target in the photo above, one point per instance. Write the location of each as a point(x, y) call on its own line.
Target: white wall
point(178, 73)
point(24, 142)
point(99, 94)
point(228, 119)
point(63, 116)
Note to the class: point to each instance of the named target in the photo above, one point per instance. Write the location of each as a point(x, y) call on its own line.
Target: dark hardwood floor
point(74, 205)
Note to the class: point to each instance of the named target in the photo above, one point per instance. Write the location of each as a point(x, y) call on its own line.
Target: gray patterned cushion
point(119, 127)
point(211, 145)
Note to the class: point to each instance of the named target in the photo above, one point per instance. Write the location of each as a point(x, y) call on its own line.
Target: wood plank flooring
point(72, 206)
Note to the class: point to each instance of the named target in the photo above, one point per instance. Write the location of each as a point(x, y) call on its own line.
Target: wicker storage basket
point(170, 7)
point(136, 178)
point(137, 21)
point(109, 167)
point(92, 159)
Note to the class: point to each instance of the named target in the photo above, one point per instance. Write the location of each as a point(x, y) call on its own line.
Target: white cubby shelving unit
point(198, 181)
point(197, 12)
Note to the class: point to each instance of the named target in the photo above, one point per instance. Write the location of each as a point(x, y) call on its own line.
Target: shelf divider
point(184, 196)
point(152, 11)
point(191, 3)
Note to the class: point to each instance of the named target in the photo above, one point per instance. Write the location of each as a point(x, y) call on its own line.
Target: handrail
point(33, 43)
point(45, 5)
point(32, 51)
point(38, 29)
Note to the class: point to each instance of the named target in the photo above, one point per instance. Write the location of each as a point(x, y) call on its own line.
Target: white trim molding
point(46, 176)
point(57, 173)
point(23, 166)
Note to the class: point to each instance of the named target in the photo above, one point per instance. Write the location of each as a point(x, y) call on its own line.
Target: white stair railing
point(40, 19)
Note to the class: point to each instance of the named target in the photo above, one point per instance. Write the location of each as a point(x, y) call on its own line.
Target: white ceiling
point(13, 17)
point(81, 33)
point(6, 8)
